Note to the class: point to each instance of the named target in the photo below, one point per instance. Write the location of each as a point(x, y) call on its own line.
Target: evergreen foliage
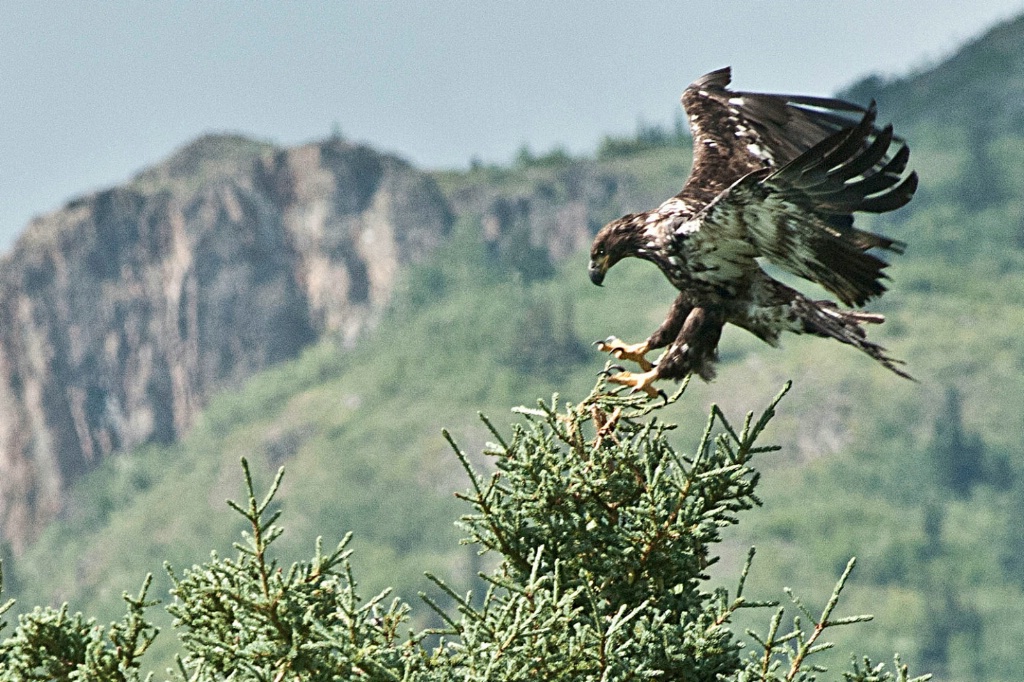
point(605, 532)
point(647, 137)
point(248, 619)
point(52, 644)
point(959, 456)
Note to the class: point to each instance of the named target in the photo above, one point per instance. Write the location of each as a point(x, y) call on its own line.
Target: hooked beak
point(597, 270)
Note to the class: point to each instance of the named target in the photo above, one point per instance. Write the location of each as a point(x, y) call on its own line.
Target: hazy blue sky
point(91, 92)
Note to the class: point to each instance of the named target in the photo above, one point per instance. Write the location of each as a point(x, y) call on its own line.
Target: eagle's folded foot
point(639, 382)
point(634, 352)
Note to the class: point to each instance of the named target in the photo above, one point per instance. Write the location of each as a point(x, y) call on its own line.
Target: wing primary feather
point(840, 174)
point(875, 152)
point(854, 142)
point(822, 160)
point(717, 79)
point(898, 196)
point(826, 103)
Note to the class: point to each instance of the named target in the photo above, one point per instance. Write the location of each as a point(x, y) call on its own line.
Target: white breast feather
point(687, 227)
point(673, 205)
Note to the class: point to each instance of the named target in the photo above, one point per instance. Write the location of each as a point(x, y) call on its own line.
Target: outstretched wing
point(800, 216)
point(735, 133)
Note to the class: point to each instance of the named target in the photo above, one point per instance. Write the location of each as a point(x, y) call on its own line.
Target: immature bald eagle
point(775, 177)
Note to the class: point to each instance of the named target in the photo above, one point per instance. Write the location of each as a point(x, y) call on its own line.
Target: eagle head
point(616, 240)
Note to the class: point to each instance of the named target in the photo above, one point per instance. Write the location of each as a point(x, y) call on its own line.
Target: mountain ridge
point(980, 84)
point(123, 311)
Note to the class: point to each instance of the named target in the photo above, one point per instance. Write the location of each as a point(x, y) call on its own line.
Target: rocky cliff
point(122, 312)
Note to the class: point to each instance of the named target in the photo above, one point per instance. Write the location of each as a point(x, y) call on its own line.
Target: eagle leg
point(639, 382)
point(634, 352)
point(696, 347)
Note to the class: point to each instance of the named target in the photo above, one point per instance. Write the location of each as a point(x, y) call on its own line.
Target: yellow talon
point(634, 352)
point(638, 382)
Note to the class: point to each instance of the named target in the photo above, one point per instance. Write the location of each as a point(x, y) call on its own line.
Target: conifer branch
point(605, 531)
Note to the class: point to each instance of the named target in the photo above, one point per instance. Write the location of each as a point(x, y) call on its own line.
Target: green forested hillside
point(923, 482)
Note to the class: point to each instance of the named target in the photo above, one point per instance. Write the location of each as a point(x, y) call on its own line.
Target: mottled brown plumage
point(778, 178)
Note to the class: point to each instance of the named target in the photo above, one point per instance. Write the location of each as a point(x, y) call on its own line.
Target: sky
point(93, 92)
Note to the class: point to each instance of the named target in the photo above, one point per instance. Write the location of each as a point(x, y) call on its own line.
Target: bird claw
point(607, 371)
point(633, 352)
point(639, 382)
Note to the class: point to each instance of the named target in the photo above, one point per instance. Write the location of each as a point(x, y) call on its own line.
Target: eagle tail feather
point(825, 318)
point(850, 273)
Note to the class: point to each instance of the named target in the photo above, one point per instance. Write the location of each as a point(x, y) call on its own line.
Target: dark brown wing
point(735, 133)
point(800, 216)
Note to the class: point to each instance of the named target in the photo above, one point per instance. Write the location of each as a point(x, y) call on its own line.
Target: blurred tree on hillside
point(958, 454)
